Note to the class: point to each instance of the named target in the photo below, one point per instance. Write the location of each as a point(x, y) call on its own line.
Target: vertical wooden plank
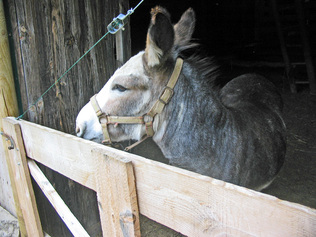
point(122, 37)
point(8, 107)
point(11, 187)
point(49, 36)
point(22, 180)
point(116, 193)
point(284, 52)
point(306, 47)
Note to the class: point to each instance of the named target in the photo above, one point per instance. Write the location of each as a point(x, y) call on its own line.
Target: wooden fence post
point(8, 107)
point(116, 193)
point(22, 180)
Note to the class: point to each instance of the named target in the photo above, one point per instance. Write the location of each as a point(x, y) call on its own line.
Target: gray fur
point(235, 134)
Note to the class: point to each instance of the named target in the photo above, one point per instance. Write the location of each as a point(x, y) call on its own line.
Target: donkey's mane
point(207, 67)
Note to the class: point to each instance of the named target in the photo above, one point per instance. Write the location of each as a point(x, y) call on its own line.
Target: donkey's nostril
point(80, 129)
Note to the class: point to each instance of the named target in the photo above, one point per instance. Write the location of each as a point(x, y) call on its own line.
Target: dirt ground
point(296, 181)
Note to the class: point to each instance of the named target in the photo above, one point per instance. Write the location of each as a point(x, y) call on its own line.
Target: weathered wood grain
point(116, 192)
point(49, 36)
point(8, 107)
point(65, 214)
point(22, 181)
point(192, 204)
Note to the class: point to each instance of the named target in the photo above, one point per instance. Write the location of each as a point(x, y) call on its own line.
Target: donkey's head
point(136, 86)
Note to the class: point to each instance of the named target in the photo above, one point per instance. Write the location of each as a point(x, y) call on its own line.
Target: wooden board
point(116, 192)
point(8, 107)
point(187, 202)
point(60, 153)
point(22, 181)
point(65, 214)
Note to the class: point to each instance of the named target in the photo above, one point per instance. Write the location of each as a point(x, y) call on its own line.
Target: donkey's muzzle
point(80, 129)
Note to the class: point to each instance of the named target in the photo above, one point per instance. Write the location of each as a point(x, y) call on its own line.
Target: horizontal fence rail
point(192, 204)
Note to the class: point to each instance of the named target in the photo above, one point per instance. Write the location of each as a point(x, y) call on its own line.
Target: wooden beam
point(306, 47)
point(197, 205)
point(22, 180)
point(122, 37)
point(116, 192)
point(53, 197)
point(192, 204)
point(8, 107)
point(11, 183)
point(285, 54)
point(8, 99)
point(59, 153)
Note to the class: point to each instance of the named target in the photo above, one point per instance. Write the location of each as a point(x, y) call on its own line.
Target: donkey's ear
point(185, 27)
point(160, 36)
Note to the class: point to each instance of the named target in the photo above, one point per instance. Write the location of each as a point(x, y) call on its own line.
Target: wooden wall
point(48, 37)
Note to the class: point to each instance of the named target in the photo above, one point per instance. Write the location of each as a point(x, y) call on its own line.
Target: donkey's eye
point(119, 88)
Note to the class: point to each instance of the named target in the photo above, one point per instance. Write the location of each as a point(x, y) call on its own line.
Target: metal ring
point(103, 116)
point(147, 118)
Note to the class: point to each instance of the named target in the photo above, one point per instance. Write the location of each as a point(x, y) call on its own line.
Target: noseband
point(146, 119)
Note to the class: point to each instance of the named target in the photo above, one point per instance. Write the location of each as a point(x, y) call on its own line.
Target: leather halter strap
point(146, 119)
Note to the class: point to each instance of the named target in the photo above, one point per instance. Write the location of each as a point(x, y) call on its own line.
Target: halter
point(146, 119)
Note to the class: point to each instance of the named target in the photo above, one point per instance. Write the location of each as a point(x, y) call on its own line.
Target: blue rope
point(117, 24)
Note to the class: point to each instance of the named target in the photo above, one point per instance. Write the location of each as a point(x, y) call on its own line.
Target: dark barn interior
point(245, 33)
point(258, 36)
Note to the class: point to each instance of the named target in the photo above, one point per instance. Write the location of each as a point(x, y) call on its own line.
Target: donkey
point(234, 133)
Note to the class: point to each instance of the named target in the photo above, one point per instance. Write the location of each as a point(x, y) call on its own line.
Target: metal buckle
point(147, 118)
point(103, 116)
point(107, 142)
point(169, 92)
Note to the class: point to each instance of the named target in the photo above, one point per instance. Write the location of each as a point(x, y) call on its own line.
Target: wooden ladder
point(291, 20)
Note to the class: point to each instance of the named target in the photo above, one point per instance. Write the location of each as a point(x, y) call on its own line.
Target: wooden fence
point(127, 185)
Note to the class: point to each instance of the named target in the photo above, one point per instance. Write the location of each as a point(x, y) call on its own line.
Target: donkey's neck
point(186, 126)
